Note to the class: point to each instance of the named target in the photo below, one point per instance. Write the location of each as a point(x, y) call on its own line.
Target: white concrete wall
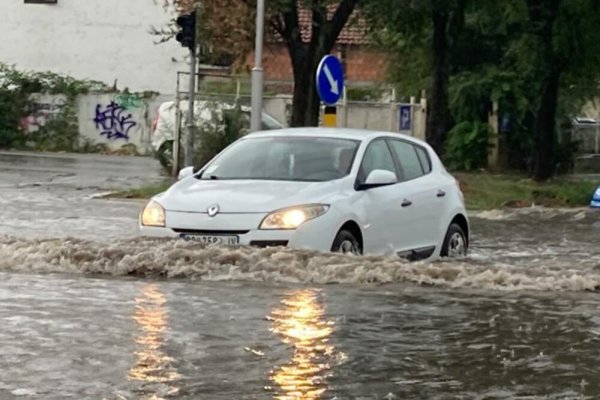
point(103, 40)
point(119, 119)
point(102, 119)
point(381, 117)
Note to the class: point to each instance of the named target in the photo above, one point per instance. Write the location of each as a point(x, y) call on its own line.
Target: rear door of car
point(426, 201)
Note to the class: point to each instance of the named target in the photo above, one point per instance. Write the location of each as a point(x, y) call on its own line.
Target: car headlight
point(292, 218)
point(153, 214)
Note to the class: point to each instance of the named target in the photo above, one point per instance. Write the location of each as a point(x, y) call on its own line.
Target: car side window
point(377, 156)
point(406, 154)
point(424, 157)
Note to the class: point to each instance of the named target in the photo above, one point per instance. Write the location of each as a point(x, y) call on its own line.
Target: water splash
point(179, 259)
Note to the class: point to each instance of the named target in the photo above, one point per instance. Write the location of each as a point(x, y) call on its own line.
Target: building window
point(41, 1)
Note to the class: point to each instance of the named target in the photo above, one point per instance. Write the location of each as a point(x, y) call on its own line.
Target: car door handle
point(406, 203)
point(441, 193)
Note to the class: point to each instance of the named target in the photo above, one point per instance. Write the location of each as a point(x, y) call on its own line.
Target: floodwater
point(90, 311)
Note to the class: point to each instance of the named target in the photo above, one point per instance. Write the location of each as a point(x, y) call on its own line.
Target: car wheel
point(455, 243)
point(346, 243)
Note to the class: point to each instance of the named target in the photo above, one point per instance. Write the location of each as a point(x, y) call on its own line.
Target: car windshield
point(285, 158)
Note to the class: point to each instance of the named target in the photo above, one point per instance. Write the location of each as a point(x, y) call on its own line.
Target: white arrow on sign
point(335, 89)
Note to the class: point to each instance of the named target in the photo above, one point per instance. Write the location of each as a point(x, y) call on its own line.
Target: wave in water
point(180, 259)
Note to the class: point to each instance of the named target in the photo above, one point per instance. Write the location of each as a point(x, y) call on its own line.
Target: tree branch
point(291, 31)
point(338, 21)
point(319, 24)
point(276, 24)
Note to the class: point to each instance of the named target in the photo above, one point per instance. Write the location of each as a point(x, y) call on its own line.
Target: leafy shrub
point(225, 127)
point(16, 88)
point(467, 146)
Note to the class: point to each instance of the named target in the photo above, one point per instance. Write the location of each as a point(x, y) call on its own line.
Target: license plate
point(211, 239)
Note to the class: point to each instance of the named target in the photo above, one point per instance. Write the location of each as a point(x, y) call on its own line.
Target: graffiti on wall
point(113, 121)
point(129, 100)
point(40, 112)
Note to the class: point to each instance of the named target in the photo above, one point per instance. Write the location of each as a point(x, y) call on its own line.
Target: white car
point(352, 191)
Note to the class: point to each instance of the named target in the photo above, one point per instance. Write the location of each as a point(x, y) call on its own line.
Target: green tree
point(559, 50)
point(307, 44)
point(539, 59)
point(327, 21)
point(424, 33)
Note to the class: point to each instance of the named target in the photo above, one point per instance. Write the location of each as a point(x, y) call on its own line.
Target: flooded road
point(67, 337)
point(89, 311)
point(53, 195)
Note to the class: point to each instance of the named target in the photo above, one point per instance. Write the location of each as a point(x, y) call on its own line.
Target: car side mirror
point(185, 173)
point(377, 178)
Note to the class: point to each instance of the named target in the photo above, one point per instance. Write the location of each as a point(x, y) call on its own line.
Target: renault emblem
point(213, 210)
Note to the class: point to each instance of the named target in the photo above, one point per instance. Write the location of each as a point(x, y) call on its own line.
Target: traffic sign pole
point(330, 117)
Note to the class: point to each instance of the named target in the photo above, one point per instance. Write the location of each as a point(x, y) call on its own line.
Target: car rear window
point(424, 158)
point(406, 154)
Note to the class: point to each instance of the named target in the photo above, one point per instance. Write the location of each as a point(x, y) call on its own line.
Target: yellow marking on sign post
point(330, 117)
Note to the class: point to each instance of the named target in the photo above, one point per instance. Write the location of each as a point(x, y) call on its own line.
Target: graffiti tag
point(113, 122)
point(128, 100)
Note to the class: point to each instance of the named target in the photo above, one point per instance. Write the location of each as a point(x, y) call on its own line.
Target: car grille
point(205, 232)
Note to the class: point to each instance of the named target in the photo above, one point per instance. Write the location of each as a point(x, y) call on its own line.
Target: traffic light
point(187, 35)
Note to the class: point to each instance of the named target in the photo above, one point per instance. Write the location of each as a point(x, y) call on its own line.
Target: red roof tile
point(355, 31)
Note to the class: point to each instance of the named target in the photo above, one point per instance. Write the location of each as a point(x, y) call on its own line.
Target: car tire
point(455, 243)
point(345, 242)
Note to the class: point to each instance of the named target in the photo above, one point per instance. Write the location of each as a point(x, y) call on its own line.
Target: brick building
point(363, 65)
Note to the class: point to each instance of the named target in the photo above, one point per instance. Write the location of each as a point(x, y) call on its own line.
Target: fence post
point(413, 103)
point(494, 141)
point(393, 112)
point(345, 106)
point(597, 144)
point(422, 132)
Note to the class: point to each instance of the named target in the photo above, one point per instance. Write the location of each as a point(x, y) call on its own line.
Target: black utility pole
point(187, 38)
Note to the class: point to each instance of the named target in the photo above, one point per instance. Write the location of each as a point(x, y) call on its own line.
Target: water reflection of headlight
point(153, 365)
point(300, 322)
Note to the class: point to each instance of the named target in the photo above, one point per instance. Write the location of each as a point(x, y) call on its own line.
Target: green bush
point(16, 88)
point(467, 146)
point(214, 135)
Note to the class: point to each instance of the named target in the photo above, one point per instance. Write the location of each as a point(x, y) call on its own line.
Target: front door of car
point(381, 207)
point(426, 208)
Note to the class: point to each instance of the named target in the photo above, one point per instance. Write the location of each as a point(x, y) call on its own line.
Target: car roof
point(337, 133)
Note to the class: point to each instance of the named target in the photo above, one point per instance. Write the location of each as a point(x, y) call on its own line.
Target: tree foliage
point(538, 59)
point(227, 32)
point(58, 133)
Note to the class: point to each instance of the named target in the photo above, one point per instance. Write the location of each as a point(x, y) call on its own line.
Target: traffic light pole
point(189, 142)
point(257, 71)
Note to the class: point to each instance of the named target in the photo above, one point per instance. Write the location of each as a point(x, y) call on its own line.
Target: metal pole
point(189, 143)
point(177, 140)
point(257, 71)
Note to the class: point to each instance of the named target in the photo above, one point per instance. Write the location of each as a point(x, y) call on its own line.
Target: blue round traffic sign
point(330, 80)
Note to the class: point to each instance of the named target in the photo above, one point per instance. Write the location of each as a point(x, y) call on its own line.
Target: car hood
point(245, 196)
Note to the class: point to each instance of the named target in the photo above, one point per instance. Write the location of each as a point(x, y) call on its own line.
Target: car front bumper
point(317, 234)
